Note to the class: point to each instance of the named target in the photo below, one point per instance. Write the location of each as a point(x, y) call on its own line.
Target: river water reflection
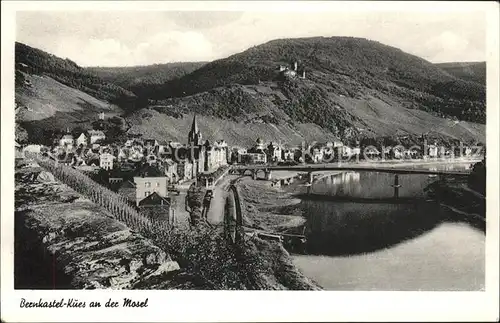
point(367, 244)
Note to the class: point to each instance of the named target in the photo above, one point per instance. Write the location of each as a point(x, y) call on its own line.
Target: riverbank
point(450, 257)
point(273, 208)
point(352, 242)
point(266, 205)
point(459, 202)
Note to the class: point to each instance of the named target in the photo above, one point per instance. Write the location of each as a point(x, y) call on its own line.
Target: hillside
point(33, 61)
point(53, 94)
point(355, 89)
point(46, 106)
point(353, 67)
point(239, 114)
point(143, 79)
point(469, 71)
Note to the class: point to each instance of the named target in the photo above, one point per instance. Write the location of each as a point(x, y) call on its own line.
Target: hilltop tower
point(194, 136)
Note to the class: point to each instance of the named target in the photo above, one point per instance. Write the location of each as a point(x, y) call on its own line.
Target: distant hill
point(295, 112)
point(37, 62)
point(354, 89)
point(469, 71)
point(143, 79)
point(353, 67)
point(46, 106)
point(53, 94)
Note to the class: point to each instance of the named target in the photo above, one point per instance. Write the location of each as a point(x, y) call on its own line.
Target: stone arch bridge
point(317, 171)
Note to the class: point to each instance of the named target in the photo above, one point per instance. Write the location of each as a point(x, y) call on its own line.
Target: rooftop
point(154, 199)
point(96, 133)
point(149, 171)
point(254, 150)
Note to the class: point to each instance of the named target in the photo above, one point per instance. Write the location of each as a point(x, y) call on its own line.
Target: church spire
point(194, 126)
point(194, 136)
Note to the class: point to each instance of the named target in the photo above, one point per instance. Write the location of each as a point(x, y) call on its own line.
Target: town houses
point(146, 170)
point(140, 167)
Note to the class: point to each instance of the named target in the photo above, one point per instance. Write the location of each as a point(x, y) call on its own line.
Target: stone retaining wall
point(79, 243)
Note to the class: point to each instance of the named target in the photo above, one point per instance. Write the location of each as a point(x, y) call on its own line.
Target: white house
point(274, 151)
point(398, 152)
point(370, 152)
point(259, 144)
point(81, 140)
point(221, 151)
point(349, 152)
point(33, 149)
point(288, 154)
point(433, 151)
point(151, 159)
point(67, 140)
point(337, 143)
point(106, 161)
point(317, 154)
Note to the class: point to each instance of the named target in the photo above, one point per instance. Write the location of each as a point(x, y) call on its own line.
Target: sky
point(129, 38)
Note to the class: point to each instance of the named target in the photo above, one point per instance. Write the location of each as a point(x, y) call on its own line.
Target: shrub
point(477, 178)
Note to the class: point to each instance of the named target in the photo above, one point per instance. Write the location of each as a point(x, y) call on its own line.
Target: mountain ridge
point(350, 65)
point(354, 89)
point(469, 71)
point(138, 78)
point(67, 72)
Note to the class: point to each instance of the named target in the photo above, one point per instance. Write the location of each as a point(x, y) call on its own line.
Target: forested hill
point(349, 66)
point(37, 62)
point(142, 79)
point(354, 89)
point(469, 71)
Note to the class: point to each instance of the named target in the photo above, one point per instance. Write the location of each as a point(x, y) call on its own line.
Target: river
point(360, 240)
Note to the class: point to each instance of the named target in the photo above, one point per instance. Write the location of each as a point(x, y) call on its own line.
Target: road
point(181, 215)
point(216, 213)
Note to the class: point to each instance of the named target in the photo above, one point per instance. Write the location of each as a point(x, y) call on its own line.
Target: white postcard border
point(255, 305)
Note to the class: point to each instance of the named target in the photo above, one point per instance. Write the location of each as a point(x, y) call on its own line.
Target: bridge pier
point(396, 186)
point(254, 175)
point(310, 178)
point(268, 174)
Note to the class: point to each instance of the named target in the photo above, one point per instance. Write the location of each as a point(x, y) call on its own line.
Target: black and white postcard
point(249, 161)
